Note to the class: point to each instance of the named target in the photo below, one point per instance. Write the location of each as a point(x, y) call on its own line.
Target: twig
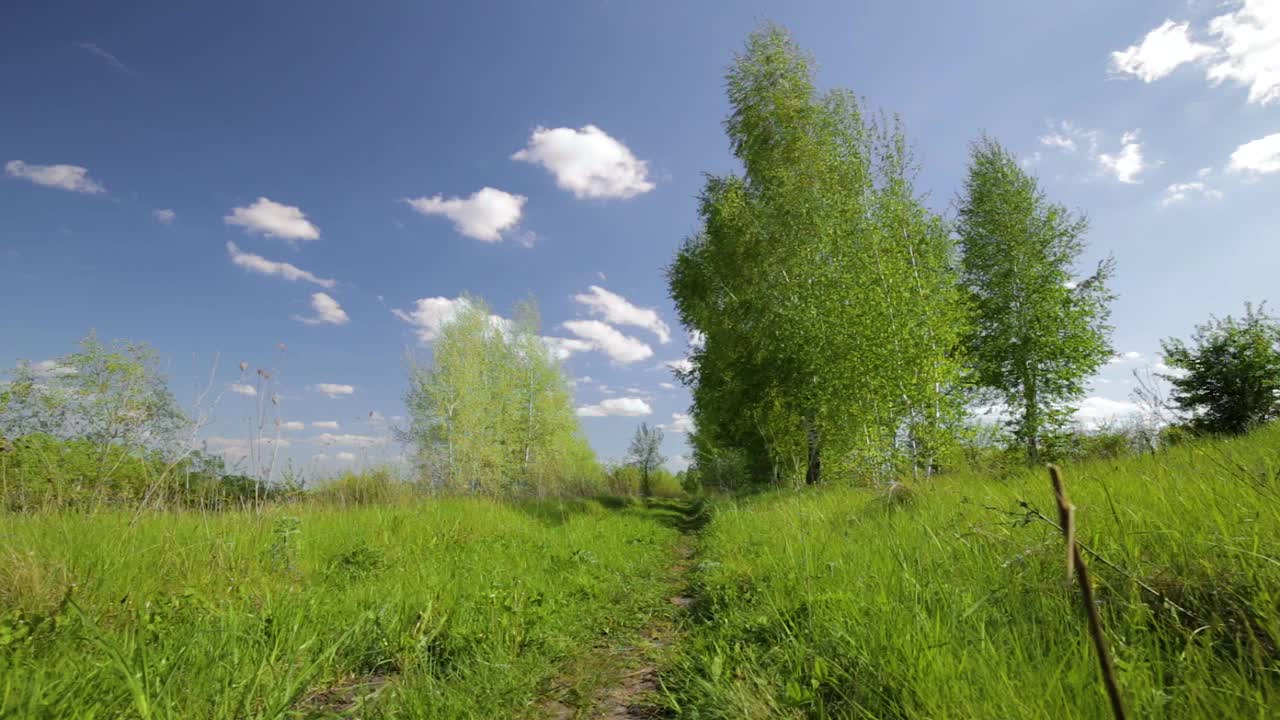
point(1075, 565)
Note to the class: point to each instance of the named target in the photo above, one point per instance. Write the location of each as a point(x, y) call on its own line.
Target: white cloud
point(292, 425)
point(430, 315)
point(164, 216)
point(625, 406)
point(45, 369)
point(484, 216)
point(63, 177)
point(682, 365)
point(667, 385)
point(1095, 411)
point(679, 462)
point(325, 424)
point(238, 448)
point(376, 417)
point(346, 457)
point(606, 339)
point(348, 440)
point(1160, 52)
point(263, 266)
point(1179, 192)
point(1258, 157)
point(333, 390)
point(1124, 357)
point(111, 59)
point(243, 389)
point(273, 219)
point(1244, 48)
point(619, 311)
point(587, 162)
point(1127, 164)
point(562, 348)
point(680, 423)
point(319, 457)
point(1249, 42)
point(327, 311)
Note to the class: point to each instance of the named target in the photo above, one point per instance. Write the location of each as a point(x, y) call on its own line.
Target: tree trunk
point(813, 474)
point(1031, 420)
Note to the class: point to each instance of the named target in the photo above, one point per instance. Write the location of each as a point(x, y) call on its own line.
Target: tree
point(823, 287)
point(111, 397)
point(493, 413)
point(645, 454)
point(1038, 332)
point(1230, 372)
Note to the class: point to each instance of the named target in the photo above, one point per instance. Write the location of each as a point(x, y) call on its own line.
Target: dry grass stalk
point(1075, 565)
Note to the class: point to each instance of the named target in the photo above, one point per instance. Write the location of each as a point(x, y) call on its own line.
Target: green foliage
point(645, 453)
point(1230, 379)
point(493, 414)
point(107, 396)
point(1038, 331)
point(452, 608)
point(372, 486)
point(846, 603)
point(822, 287)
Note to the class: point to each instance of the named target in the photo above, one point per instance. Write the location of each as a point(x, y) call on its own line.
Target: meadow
point(432, 609)
point(950, 598)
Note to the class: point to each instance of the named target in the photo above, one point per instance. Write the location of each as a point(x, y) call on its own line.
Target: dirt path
point(633, 690)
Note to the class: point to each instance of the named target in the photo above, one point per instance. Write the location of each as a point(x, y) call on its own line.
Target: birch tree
point(1039, 330)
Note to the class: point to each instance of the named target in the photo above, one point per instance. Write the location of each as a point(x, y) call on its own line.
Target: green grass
point(448, 609)
point(847, 603)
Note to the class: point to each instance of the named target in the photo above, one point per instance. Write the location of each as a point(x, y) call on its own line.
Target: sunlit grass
point(843, 603)
point(449, 608)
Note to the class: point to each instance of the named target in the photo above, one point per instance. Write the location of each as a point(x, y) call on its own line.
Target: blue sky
point(354, 142)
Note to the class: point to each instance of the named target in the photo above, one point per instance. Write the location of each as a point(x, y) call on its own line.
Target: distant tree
point(492, 414)
point(645, 454)
point(1038, 331)
point(1230, 379)
point(110, 396)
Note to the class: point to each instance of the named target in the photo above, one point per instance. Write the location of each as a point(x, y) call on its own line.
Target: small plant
point(284, 542)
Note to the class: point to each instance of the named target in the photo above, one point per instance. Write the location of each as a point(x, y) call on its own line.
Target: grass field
point(945, 600)
point(455, 608)
point(951, 600)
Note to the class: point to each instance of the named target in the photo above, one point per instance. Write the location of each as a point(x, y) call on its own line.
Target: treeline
point(843, 330)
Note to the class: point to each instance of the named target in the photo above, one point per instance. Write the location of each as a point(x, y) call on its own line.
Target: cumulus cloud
point(1243, 47)
point(624, 406)
point(484, 216)
point(679, 366)
point(333, 390)
point(273, 219)
point(327, 311)
point(619, 311)
point(164, 216)
point(325, 425)
point(1160, 52)
point(1127, 164)
point(349, 440)
point(606, 339)
point(429, 316)
point(667, 385)
point(1095, 410)
point(346, 457)
point(561, 348)
point(1259, 157)
point(263, 266)
point(63, 177)
point(1249, 43)
point(292, 425)
point(587, 162)
point(1125, 357)
point(1179, 192)
point(680, 423)
point(243, 389)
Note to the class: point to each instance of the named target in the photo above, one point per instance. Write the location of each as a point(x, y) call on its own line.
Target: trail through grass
point(443, 609)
